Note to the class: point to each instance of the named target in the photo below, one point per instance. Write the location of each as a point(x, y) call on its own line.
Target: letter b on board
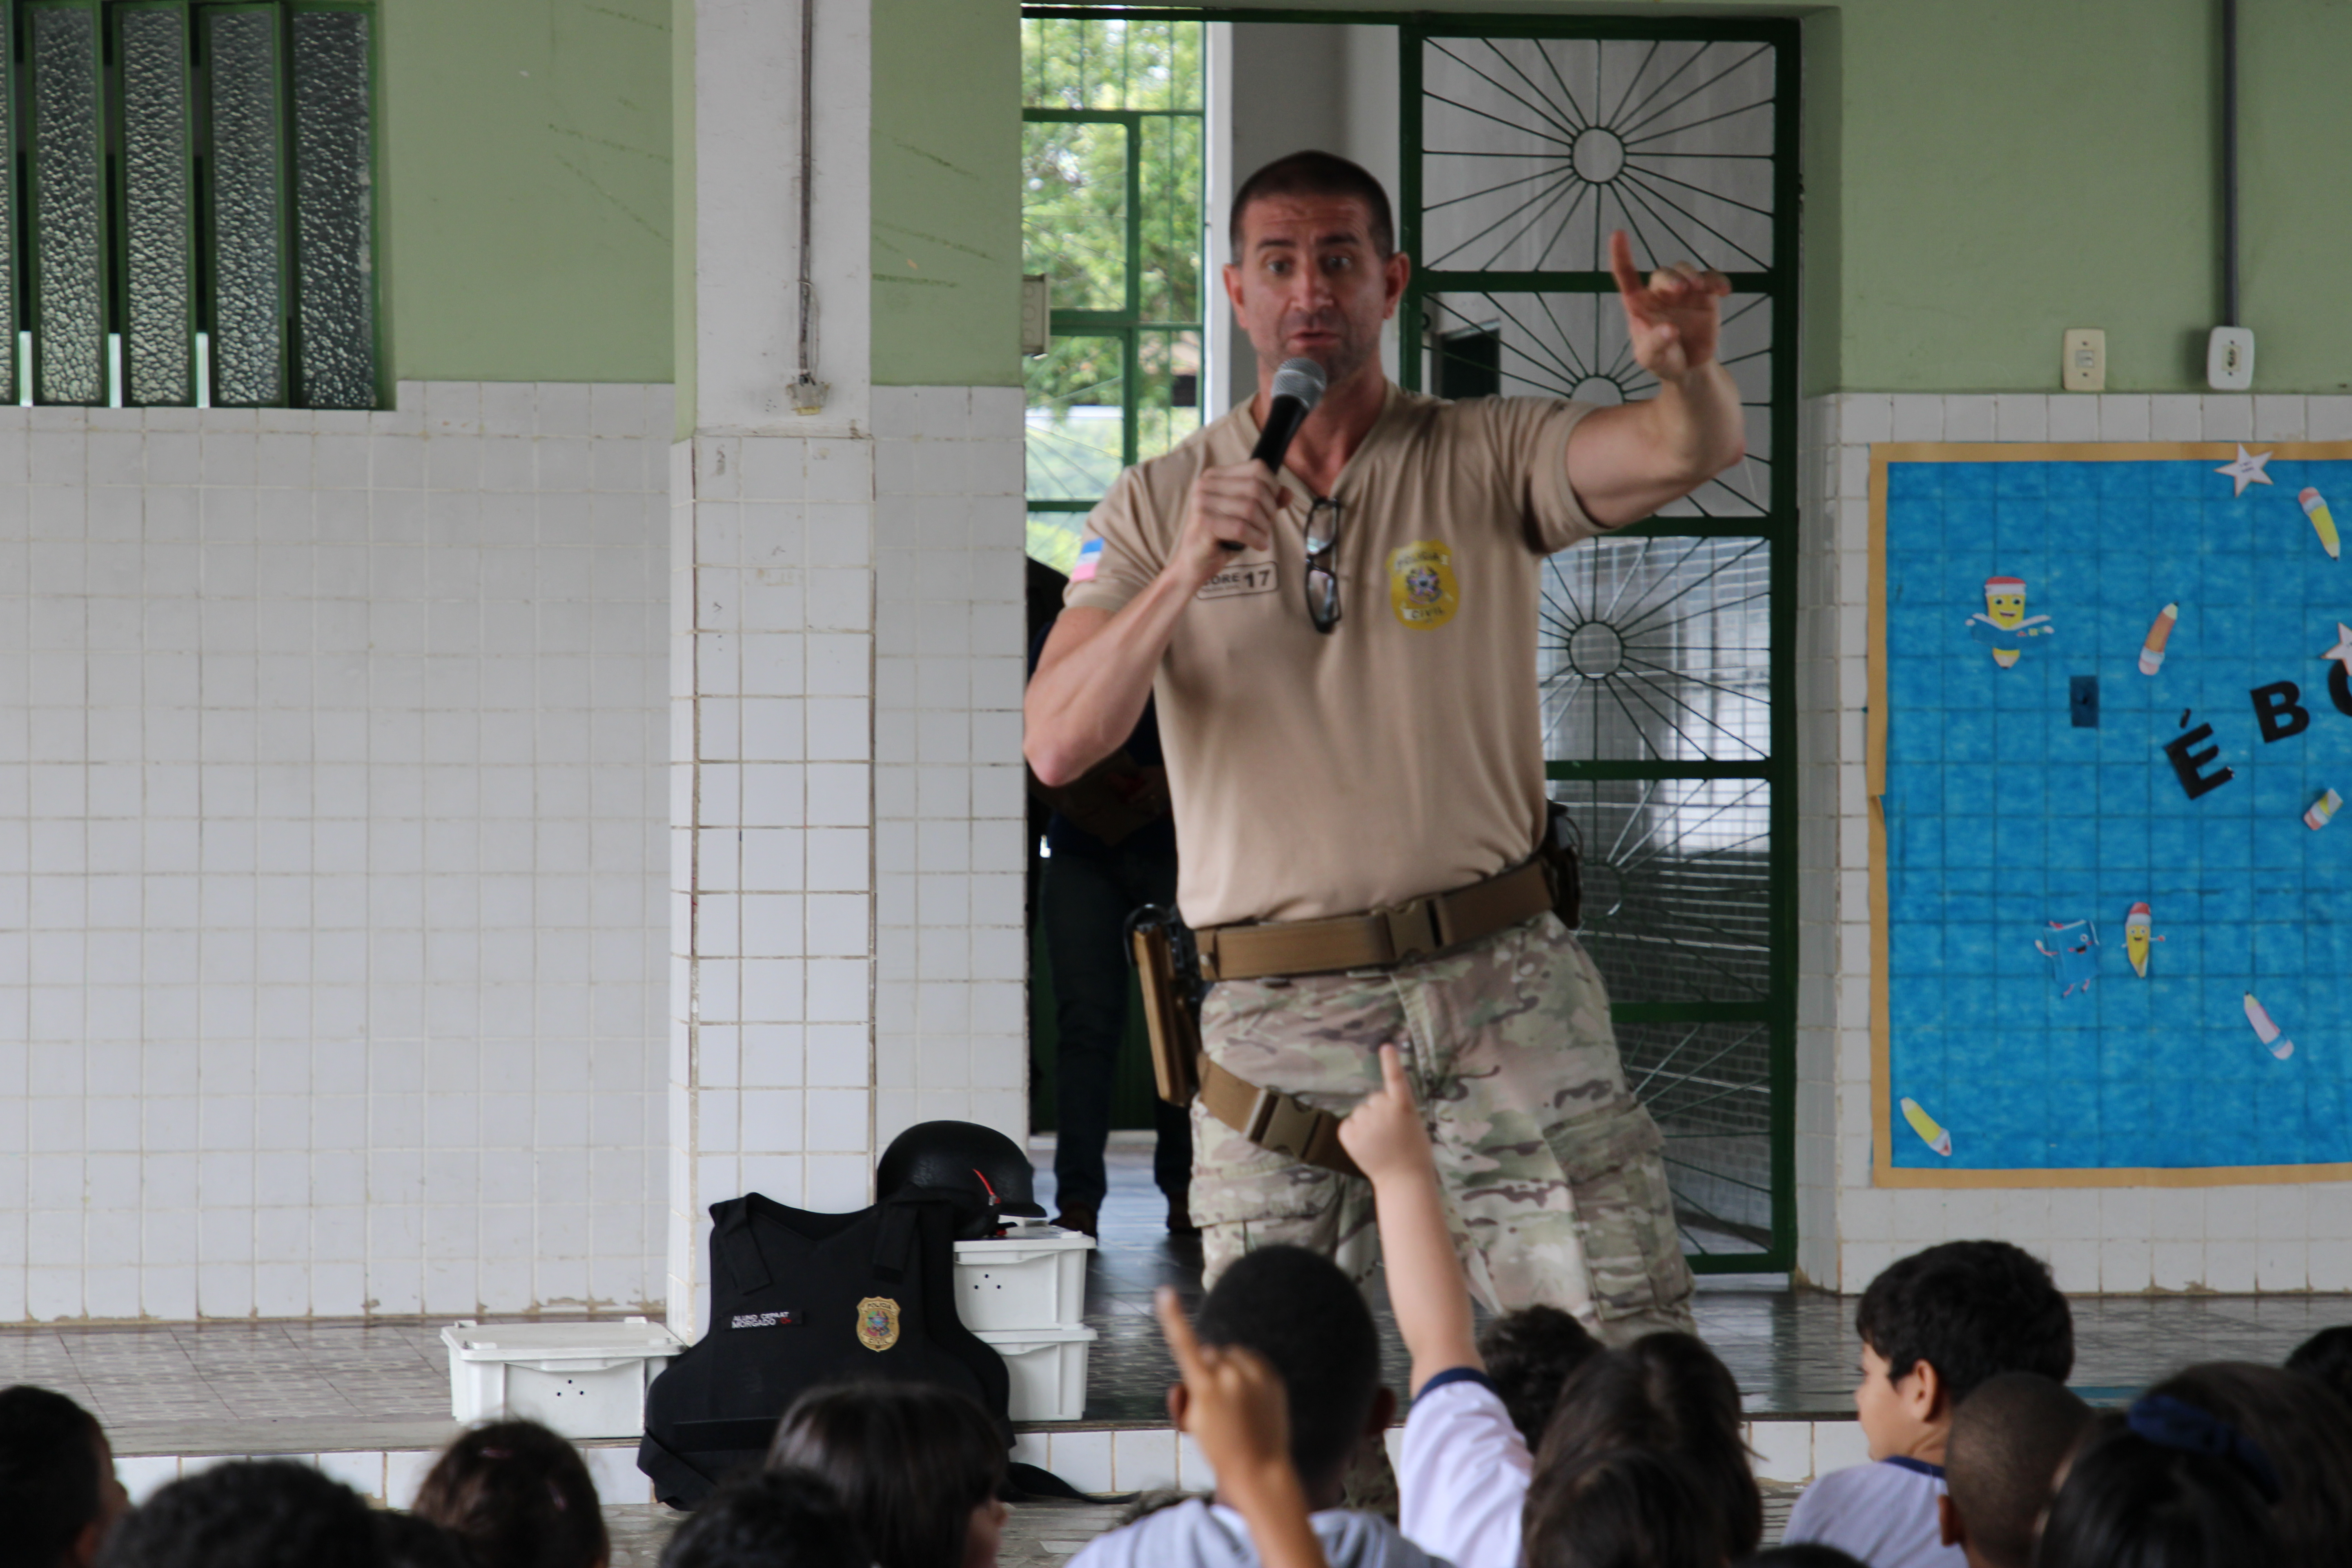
point(2279, 711)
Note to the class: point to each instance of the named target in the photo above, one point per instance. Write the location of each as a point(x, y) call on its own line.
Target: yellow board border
point(1884, 1172)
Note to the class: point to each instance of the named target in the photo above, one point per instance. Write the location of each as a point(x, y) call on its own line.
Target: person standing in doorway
point(1343, 656)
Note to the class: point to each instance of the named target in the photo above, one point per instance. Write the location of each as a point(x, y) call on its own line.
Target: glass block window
point(1112, 214)
point(191, 216)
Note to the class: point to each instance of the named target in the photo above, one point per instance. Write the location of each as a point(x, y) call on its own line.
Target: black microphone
point(1297, 388)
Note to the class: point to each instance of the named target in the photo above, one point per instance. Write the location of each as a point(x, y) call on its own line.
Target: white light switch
point(2230, 359)
point(2084, 366)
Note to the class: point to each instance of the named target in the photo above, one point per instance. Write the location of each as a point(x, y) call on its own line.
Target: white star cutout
point(2246, 470)
point(2342, 651)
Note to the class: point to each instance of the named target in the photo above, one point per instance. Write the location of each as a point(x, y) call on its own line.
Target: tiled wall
point(329, 878)
point(2280, 1238)
point(846, 803)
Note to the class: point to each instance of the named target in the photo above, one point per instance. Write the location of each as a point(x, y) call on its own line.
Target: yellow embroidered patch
point(1422, 588)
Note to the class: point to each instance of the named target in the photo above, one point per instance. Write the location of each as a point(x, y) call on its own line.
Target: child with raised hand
point(1237, 1411)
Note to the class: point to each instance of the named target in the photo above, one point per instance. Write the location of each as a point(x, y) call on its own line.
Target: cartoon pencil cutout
point(2322, 810)
point(2266, 1031)
point(2315, 507)
point(1937, 1138)
point(2151, 652)
point(2140, 934)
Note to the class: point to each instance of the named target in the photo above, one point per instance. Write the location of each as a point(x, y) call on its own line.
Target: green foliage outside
point(1126, 286)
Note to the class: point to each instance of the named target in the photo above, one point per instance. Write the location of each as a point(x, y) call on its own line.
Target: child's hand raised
point(1384, 1135)
point(1238, 1411)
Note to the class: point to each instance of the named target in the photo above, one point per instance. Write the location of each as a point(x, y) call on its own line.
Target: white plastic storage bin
point(1049, 1371)
point(585, 1380)
point(1034, 1278)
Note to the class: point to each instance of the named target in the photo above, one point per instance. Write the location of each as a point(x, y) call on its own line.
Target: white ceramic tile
point(1783, 1449)
point(2074, 416)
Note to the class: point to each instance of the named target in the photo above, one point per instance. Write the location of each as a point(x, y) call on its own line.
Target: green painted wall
point(527, 165)
point(946, 192)
point(685, 353)
point(1979, 177)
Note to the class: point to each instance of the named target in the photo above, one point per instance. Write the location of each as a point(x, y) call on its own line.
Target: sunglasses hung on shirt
point(1323, 564)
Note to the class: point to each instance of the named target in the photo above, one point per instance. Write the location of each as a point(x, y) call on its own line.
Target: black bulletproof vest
point(800, 1299)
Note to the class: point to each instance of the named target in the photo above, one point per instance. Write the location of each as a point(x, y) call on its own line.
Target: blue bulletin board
point(2110, 726)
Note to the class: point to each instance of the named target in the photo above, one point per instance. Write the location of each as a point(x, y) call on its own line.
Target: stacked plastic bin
point(1026, 1294)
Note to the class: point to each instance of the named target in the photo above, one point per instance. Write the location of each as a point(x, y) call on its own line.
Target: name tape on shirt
point(1257, 577)
point(762, 1320)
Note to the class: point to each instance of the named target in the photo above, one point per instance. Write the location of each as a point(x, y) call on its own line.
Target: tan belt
point(1282, 1122)
point(1381, 937)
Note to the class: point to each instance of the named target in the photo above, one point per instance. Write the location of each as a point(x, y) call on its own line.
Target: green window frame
point(188, 213)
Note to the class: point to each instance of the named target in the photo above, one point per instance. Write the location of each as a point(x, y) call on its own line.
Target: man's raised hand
point(1233, 507)
point(1674, 318)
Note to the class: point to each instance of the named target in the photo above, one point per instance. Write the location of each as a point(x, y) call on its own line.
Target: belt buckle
point(1410, 928)
point(1280, 1123)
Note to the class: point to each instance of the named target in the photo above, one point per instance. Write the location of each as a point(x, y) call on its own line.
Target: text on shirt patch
point(762, 1320)
point(1257, 577)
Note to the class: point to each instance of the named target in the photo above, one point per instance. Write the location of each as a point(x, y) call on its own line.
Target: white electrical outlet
point(2083, 367)
point(2230, 359)
point(1037, 315)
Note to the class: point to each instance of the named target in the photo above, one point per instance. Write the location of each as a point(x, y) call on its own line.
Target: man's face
point(1311, 284)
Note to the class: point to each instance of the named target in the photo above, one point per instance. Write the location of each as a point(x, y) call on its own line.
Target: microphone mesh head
point(1301, 379)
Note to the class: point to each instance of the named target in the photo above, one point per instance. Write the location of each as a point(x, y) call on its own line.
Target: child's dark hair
point(2326, 1358)
point(1803, 1555)
point(1665, 1394)
point(773, 1519)
point(248, 1513)
point(1968, 1308)
point(2129, 1503)
point(910, 1462)
point(517, 1496)
point(48, 1470)
point(1528, 1354)
point(2008, 1439)
point(2308, 1435)
point(409, 1541)
point(1296, 1308)
point(1625, 1509)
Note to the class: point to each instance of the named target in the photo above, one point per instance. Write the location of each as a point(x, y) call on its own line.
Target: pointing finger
point(1178, 1328)
point(1620, 263)
point(1392, 1074)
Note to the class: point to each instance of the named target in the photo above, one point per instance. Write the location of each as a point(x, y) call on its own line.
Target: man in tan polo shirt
point(1344, 655)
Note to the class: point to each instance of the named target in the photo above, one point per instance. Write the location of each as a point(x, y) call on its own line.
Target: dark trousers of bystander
point(1085, 901)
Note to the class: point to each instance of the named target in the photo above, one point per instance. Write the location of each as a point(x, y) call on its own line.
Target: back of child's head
point(1968, 1308)
point(248, 1513)
point(1624, 1509)
point(2006, 1441)
point(49, 1477)
point(909, 1461)
point(2173, 1500)
point(1528, 1354)
point(2306, 1435)
point(773, 1519)
point(1803, 1555)
point(517, 1496)
point(1296, 1308)
point(2326, 1358)
point(408, 1542)
point(1665, 1394)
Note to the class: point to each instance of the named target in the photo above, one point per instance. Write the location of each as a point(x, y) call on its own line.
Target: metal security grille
point(1665, 649)
point(197, 219)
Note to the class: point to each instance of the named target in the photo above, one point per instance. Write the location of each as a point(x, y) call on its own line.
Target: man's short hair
point(1313, 173)
point(1969, 1309)
point(1296, 1308)
point(1528, 1354)
point(48, 1470)
point(250, 1513)
point(2007, 1439)
point(773, 1519)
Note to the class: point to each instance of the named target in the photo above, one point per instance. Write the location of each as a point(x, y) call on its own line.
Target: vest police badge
point(877, 1322)
point(1422, 588)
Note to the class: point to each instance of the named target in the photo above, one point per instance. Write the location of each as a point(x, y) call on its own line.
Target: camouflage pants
point(1552, 1171)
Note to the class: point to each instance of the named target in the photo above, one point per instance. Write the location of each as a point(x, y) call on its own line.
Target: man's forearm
point(1624, 463)
point(1697, 424)
point(1093, 679)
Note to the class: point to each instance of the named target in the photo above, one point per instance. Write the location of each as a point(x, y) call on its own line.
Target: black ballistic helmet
point(963, 1157)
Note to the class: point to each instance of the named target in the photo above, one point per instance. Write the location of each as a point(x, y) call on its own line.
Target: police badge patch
point(877, 1322)
point(1422, 586)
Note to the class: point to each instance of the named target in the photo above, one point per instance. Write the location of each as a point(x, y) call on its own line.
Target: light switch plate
point(1037, 315)
point(2083, 367)
point(2230, 359)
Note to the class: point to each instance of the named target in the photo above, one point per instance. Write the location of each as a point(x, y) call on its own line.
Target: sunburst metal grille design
point(1677, 885)
point(1574, 346)
point(1534, 148)
point(1709, 1086)
point(1657, 648)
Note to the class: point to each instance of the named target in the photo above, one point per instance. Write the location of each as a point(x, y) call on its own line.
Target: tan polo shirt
point(1403, 753)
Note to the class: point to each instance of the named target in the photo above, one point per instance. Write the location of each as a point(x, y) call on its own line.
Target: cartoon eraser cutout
point(1936, 1137)
point(2139, 937)
point(2266, 1031)
point(2315, 507)
point(2322, 810)
point(2004, 626)
point(2075, 961)
point(2159, 632)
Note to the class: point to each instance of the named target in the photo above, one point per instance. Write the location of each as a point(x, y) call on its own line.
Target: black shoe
point(1179, 1218)
point(1080, 1217)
